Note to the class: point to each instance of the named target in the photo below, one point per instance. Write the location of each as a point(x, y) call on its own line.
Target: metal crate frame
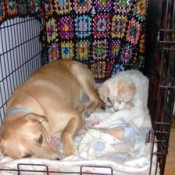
point(161, 126)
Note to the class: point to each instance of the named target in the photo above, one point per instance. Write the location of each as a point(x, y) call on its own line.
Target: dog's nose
point(57, 158)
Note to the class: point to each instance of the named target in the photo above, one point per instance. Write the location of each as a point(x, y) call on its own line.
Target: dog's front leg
point(75, 124)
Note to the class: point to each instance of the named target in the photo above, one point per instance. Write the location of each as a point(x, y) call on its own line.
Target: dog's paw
point(92, 107)
point(87, 112)
point(80, 107)
point(101, 104)
point(71, 151)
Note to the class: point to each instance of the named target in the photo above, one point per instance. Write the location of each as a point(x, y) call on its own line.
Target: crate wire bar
point(84, 170)
point(166, 91)
point(166, 87)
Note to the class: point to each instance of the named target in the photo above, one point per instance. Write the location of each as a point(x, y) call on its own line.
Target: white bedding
point(113, 140)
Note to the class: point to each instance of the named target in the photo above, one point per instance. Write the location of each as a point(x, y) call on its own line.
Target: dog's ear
point(126, 90)
point(103, 92)
point(36, 118)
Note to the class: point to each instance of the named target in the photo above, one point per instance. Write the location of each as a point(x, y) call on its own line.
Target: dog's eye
point(27, 156)
point(40, 140)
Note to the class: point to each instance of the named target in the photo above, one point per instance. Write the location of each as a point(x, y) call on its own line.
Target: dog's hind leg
point(87, 82)
point(74, 125)
point(80, 107)
point(92, 93)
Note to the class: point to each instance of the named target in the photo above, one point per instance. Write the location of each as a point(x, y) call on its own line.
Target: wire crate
point(21, 54)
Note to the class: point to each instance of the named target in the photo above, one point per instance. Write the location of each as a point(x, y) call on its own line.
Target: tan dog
point(48, 104)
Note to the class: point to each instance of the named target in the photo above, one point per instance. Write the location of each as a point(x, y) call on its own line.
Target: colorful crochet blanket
point(22, 8)
point(107, 35)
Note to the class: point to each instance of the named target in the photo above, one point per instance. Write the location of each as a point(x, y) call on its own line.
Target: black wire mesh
point(41, 169)
point(20, 55)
